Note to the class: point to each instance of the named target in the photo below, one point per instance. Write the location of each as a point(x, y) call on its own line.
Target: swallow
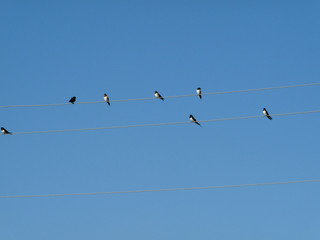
point(192, 119)
point(106, 99)
point(199, 92)
point(5, 131)
point(72, 100)
point(158, 95)
point(265, 112)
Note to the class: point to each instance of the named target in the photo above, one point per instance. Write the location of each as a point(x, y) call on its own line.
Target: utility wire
point(162, 124)
point(177, 96)
point(157, 190)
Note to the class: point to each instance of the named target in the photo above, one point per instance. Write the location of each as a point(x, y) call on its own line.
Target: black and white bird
point(106, 99)
point(265, 112)
point(5, 131)
point(192, 119)
point(158, 95)
point(72, 100)
point(199, 92)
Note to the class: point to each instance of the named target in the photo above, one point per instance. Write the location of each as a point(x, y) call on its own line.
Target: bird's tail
point(162, 98)
point(108, 103)
point(200, 96)
point(269, 117)
point(198, 123)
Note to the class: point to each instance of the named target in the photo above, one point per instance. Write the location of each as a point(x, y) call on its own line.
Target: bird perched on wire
point(158, 95)
point(265, 112)
point(72, 100)
point(199, 92)
point(192, 119)
point(5, 131)
point(106, 99)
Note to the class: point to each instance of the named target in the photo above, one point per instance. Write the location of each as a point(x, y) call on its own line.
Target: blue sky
point(51, 51)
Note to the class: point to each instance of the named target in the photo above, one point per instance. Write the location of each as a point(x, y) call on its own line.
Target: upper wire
point(153, 98)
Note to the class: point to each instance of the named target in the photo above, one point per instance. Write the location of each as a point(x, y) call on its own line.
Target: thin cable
point(158, 190)
point(178, 96)
point(162, 124)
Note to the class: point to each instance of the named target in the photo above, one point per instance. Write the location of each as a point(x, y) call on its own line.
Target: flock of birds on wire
point(157, 95)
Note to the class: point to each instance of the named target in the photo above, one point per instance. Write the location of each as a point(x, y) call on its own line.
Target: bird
point(5, 131)
point(72, 100)
point(199, 92)
point(192, 119)
point(265, 112)
point(158, 95)
point(106, 99)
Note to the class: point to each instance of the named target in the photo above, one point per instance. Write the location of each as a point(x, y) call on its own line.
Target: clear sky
point(53, 50)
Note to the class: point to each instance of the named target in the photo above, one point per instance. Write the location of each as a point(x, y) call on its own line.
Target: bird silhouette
point(199, 92)
point(106, 99)
point(158, 95)
point(5, 131)
point(265, 112)
point(72, 100)
point(192, 119)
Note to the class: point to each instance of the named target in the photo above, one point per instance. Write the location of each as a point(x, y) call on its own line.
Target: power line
point(177, 96)
point(163, 124)
point(158, 190)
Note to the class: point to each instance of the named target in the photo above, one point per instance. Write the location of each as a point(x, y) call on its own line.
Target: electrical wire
point(158, 190)
point(177, 96)
point(162, 124)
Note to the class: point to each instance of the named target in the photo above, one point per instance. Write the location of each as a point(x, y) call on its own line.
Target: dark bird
point(192, 119)
point(72, 100)
point(265, 112)
point(5, 131)
point(158, 95)
point(106, 99)
point(199, 92)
